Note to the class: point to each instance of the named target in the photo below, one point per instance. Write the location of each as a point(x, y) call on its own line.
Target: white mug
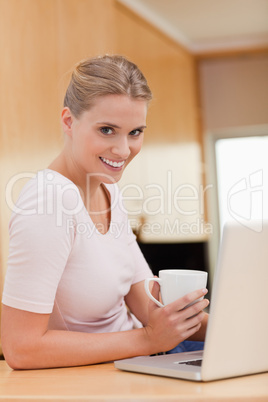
point(176, 283)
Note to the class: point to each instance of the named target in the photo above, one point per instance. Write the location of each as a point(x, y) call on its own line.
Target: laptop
point(236, 341)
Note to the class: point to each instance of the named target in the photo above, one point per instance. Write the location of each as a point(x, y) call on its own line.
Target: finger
point(191, 331)
point(192, 323)
point(195, 319)
point(184, 301)
point(194, 309)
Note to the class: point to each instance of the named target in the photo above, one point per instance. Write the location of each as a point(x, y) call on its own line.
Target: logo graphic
point(245, 201)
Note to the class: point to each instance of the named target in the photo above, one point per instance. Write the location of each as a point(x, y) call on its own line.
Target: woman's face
point(104, 139)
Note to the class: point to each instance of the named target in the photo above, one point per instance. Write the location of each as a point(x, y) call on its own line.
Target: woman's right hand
point(172, 324)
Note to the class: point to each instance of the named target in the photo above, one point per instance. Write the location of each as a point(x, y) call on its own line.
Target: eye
point(106, 130)
point(136, 133)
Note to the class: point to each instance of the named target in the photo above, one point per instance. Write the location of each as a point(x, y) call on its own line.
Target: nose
point(121, 147)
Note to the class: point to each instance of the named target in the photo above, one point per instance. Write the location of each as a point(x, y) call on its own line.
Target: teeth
point(111, 163)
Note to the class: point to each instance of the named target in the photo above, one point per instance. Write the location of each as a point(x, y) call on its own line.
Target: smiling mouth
point(112, 163)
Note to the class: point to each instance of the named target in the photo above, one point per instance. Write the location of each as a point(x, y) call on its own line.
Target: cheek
point(88, 146)
point(135, 149)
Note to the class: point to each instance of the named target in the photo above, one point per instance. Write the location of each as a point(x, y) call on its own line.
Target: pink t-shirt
point(59, 263)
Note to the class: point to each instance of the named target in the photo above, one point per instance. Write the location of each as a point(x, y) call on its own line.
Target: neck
point(93, 193)
point(87, 186)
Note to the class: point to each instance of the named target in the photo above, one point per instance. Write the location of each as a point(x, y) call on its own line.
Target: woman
point(74, 289)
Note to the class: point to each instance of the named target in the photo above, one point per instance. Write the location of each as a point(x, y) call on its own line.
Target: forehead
point(120, 107)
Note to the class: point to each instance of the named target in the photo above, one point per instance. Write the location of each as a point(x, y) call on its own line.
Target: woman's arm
point(28, 344)
point(138, 301)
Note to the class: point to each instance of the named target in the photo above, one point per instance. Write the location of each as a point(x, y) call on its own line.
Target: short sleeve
point(41, 238)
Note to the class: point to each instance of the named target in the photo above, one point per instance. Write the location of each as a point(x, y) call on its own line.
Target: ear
point(67, 121)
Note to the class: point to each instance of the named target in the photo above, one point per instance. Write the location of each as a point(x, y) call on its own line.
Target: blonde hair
point(105, 75)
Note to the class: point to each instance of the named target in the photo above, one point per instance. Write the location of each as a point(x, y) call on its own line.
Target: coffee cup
point(176, 283)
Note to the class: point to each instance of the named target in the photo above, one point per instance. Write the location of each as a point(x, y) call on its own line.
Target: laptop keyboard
point(193, 362)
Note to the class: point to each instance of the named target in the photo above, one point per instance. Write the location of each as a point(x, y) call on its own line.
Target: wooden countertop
point(103, 382)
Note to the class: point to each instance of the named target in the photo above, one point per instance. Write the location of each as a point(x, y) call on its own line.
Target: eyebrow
point(106, 123)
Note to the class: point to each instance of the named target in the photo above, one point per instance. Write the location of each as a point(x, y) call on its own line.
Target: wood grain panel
point(85, 28)
point(28, 79)
point(170, 71)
